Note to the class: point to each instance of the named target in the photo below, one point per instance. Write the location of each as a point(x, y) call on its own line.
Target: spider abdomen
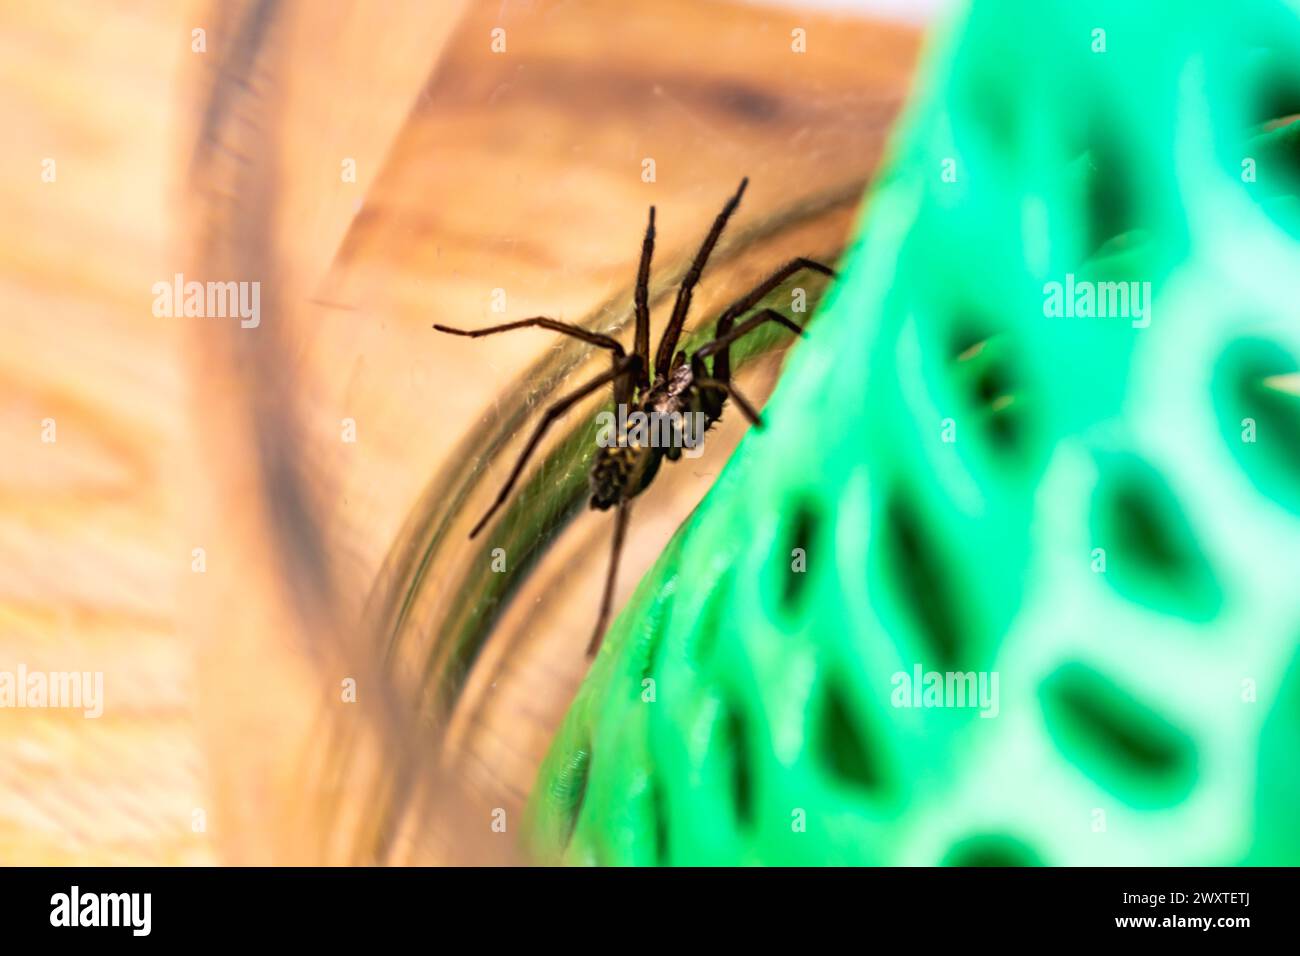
point(620, 472)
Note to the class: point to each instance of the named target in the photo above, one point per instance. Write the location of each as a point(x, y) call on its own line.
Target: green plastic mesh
point(1101, 511)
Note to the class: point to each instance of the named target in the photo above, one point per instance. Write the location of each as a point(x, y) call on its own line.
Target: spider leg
point(720, 346)
point(626, 365)
point(641, 344)
point(732, 392)
point(724, 342)
point(611, 577)
point(664, 355)
point(541, 321)
point(722, 363)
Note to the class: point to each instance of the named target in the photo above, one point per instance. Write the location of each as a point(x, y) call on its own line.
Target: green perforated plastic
point(1102, 512)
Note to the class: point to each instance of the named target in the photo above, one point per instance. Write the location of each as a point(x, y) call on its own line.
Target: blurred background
point(228, 514)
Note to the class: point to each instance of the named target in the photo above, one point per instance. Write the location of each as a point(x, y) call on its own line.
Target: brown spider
point(680, 386)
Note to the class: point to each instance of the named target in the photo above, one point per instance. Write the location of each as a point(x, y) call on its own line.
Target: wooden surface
point(475, 171)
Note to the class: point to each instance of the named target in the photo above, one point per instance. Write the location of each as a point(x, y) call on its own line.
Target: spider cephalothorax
point(668, 396)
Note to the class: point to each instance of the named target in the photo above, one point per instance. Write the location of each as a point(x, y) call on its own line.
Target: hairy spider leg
point(722, 361)
point(725, 341)
point(641, 344)
point(611, 576)
point(705, 381)
point(628, 365)
point(667, 344)
point(541, 321)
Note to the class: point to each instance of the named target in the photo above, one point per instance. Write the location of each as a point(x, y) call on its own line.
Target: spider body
point(679, 394)
point(676, 389)
point(621, 472)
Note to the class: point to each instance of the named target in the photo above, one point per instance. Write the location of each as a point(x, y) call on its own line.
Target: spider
point(680, 384)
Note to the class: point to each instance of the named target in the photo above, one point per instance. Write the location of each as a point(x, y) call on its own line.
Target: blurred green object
point(1045, 432)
